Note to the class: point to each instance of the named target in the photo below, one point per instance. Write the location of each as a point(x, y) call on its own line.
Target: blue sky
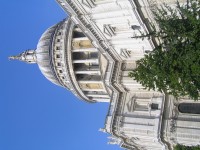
point(34, 113)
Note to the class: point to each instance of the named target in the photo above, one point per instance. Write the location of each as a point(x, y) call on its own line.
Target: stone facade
point(91, 54)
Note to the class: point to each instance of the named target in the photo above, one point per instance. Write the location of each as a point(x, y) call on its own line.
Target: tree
point(173, 67)
point(182, 147)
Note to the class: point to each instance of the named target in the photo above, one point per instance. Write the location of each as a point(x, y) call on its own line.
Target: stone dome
point(44, 52)
point(67, 58)
point(50, 54)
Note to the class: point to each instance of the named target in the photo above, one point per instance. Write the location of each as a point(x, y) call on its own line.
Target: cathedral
point(91, 54)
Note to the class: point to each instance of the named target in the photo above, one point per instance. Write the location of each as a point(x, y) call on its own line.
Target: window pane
point(154, 106)
point(191, 108)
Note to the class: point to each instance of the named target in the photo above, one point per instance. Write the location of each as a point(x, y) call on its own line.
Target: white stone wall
point(141, 119)
point(181, 128)
point(118, 22)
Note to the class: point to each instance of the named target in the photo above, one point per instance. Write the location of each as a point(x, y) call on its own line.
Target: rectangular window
point(57, 47)
point(58, 64)
point(154, 106)
point(57, 56)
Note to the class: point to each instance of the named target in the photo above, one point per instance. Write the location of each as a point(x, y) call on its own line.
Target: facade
point(91, 54)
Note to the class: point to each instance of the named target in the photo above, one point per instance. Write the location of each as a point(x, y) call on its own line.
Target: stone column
point(86, 61)
point(89, 81)
point(88, 70)
point(85, 50)
point(94, 72)
point(94, 90)
point(97, 95)
point(101, 99)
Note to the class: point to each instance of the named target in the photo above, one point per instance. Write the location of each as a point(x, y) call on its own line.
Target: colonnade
point(87, 68)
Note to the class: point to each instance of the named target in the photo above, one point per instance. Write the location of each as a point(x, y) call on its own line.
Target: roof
point(44, 57)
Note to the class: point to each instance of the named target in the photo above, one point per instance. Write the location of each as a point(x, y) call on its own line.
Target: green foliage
point(173, 66)
point(182, 147)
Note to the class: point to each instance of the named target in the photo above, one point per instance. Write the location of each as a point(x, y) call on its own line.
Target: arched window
point(190, 108)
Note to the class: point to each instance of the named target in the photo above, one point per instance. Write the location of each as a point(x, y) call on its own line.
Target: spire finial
point(14, 58)
point(27, 56)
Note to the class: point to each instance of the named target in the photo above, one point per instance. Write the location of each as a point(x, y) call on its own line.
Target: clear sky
point(34, 113)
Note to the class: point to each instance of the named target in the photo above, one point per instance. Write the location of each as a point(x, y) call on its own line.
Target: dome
point(50, 45)
point(67, 58)
point(43, 54)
